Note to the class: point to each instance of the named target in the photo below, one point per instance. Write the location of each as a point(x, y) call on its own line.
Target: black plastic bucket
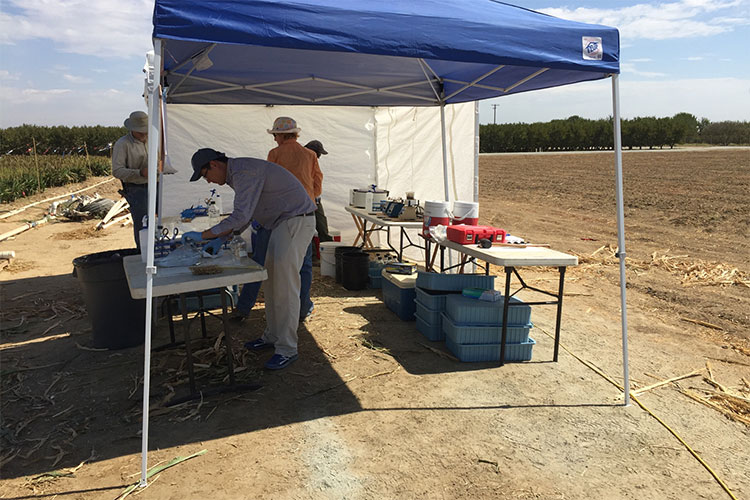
point(117, 320)
point(337, 253)
point(355, 267)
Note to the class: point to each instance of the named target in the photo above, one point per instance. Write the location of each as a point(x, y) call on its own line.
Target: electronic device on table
point(406, 209)
point(465, 234)
point(368, 198)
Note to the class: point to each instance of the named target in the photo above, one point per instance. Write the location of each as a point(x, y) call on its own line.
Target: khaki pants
point(286, 251)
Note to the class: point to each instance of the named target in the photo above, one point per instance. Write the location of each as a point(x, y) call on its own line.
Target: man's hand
point(213, 246)
point(144, 172)
point(193, 236)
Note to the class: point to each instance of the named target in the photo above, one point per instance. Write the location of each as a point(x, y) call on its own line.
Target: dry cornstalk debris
point(640, 391)
point(702, 323)
point(731, 404)
point(691, 271)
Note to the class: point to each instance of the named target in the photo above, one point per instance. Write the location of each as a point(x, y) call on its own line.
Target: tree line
point(571, 134)
point(59, 140)
point(580, 134)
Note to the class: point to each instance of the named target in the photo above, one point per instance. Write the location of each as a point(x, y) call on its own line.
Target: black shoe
point(238, 318)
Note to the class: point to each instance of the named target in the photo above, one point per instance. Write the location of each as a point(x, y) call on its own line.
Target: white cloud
point(632, 70)
point(642, 59)
point(13, 96)
point(104, 28)
point(7, 75)
point(677, 19)
point(693, 58)
point(76, 79)
point(66, 106)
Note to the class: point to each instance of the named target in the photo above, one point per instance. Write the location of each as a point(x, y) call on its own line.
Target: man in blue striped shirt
point(275, 198)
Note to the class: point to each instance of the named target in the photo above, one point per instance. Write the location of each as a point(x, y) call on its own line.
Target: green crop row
point(22, 176)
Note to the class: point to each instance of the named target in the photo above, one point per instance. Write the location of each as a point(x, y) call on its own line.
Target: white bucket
point(466, 212)
point(435, 213)
point(328, 257)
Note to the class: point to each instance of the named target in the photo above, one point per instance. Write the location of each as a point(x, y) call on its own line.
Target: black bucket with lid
point(355, 270)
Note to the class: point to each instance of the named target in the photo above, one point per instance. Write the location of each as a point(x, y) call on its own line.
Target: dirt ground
point(374, 410)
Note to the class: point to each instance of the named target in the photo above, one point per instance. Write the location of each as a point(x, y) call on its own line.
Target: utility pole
point(494, 113)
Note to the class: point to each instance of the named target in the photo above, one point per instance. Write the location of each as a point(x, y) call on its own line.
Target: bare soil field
point(373, 410)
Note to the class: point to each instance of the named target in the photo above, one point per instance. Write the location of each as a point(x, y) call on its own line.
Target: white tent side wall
point(398, 149)
point(410, 152)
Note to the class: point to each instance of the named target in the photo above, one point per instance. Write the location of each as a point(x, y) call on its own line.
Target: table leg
point(360, 232)
point(227, 335)
point(559, 312)
point(506, 303)
point(203, 314)
point(367, 234)
point(171, 323)
point(188, 350)
point(400, 243)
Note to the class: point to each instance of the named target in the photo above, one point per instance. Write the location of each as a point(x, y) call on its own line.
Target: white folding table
point(511, 258)
point(181, 281)
point(381, 222)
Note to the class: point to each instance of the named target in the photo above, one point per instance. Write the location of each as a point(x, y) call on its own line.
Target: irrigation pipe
point(19, 210)
point(25, 227)
point(613, 382)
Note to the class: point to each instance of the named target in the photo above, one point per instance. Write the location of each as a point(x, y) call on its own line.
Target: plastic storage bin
point(471, 353)
point(468, 311)
point(433, 331)
point(434, 299)
point(483, 334)
point(432, 316)
point(399, 294)
point(375, 277)
point(454, 282)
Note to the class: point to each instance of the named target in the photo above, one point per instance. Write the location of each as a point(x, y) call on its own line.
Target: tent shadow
point(64, 403)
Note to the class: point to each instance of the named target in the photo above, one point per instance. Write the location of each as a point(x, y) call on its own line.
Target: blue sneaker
point(278, 361)
point(258, 345)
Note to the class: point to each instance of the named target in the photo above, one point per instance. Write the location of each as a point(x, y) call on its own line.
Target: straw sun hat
point(284, 125)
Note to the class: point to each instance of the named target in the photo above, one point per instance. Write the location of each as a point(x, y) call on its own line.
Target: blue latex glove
point(213, 246)
point(192, 235)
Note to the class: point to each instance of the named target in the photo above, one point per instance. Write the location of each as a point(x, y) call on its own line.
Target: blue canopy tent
point(363, 53)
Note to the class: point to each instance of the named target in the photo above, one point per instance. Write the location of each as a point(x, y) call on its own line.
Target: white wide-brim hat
point(137, 122)
point(284, 125)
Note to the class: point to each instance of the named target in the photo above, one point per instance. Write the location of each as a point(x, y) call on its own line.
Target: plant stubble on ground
point(371, 410)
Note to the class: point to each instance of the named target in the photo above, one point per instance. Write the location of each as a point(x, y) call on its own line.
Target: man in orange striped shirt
point(303, 164)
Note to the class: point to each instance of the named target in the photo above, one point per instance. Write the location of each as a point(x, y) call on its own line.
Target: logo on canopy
point(592, 48)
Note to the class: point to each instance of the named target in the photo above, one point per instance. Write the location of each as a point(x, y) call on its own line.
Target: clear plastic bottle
point(214, 215)
point(238, 247)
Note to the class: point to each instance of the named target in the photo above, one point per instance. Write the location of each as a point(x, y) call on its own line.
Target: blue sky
point(79, 62)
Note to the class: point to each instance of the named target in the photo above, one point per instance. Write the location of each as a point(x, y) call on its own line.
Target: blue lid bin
point(399, 294)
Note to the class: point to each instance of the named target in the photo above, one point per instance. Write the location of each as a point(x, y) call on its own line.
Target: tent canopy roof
point(360, 52)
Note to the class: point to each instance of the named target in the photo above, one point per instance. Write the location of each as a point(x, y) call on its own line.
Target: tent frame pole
point(154, 129)
point(620, 232)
